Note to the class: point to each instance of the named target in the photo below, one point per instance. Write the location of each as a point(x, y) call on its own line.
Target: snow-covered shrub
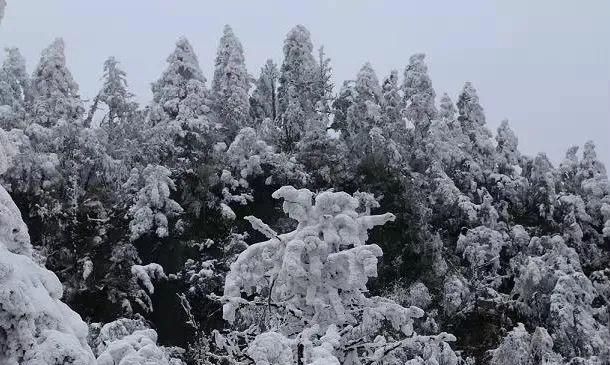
point(130, 342)
point(521, 348)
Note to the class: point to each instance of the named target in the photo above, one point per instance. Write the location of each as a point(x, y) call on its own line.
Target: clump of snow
point(146, 274)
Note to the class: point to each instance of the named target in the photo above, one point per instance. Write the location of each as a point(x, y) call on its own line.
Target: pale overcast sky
point(544, 64)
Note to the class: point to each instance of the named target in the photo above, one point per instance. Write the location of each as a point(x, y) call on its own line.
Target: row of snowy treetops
point(160, 216)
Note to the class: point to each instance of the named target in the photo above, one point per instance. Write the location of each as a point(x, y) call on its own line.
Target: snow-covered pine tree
point(543, 191)
point(507, 147)
point(479, 145)
point(181, 126)
point(309, 286)
point(394, 128)
point(470, 111)
point(322, 155)
point(365, 113)
point(341, 105)
point(231, 84)
point(323, 87)
point(446, 108)
point(418, 94)
point(263, 103)
point(595, 187)
point(179, 81)
point(296, 91)
point(115, 96)
point(14, 90)
point(391, 98)
point(54, 92)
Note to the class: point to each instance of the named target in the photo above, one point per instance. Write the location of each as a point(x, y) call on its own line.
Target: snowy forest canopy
point(267, 220)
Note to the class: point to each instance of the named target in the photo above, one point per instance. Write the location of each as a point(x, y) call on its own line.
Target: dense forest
point(270, 220)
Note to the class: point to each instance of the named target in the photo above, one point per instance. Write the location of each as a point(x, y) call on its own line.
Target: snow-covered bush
point(521, 348)
point(130, 342)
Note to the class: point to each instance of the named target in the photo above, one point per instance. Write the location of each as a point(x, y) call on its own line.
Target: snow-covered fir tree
point(180, 124)
point(263, 103)
point(231, 84)
point(55, 94)
point(391, 98)
point(418, 93)
point(115, 96)
point(365, 112)
point(297, 85)
point(14, 90)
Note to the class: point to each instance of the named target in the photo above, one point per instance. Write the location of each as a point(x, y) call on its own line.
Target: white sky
point(543, 64)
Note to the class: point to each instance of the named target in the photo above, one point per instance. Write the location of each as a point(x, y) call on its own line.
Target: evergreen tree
point(447, 108)
point(341, 105)
point(595, 187)
point(507, 148)
point(365, 113)
point(263, 103)
point(323, 87)
point(181, 92)
point(14, 90)
point(182, 129)
point(391, 98)
point(418, 93)
point(296, 92)
point(54, 91)
point(115, 96)
point(470, 111)
point(479, 146)
point(519, 347)
point(231, 84)
point(323, 156)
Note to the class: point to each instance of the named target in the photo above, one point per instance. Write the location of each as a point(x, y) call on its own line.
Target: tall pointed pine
point(297, 84)
point(54, 91)
point(231, 84)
